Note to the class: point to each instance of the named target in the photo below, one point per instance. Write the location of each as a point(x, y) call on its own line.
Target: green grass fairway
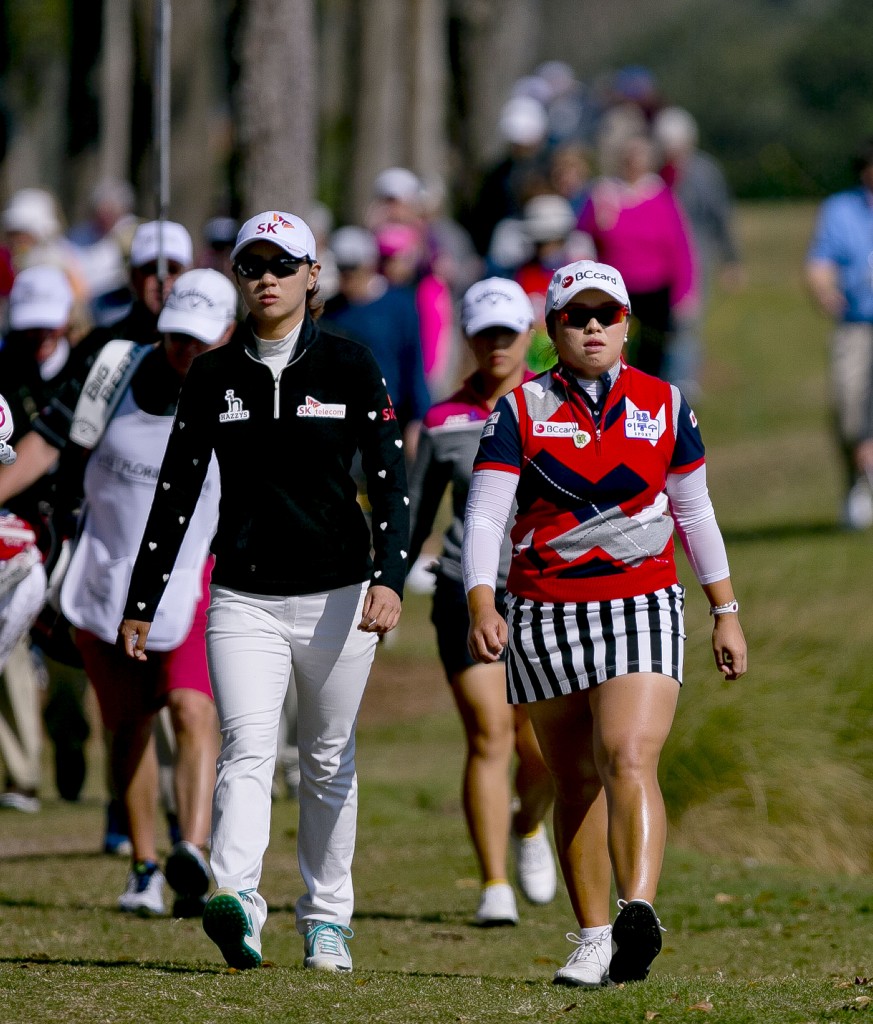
point(766, 892)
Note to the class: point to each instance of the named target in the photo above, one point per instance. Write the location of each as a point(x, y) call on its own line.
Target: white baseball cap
point(283, 229)
point(496, 302)
point(161, 237)
point(354, 247)
point(576, 277)
point(201, 303)
point(32, 211)
point(397, 183)
point(41, 296)
point(523, 121)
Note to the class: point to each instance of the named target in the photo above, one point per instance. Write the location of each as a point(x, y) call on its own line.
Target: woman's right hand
point(132, 634)
point(488, 634)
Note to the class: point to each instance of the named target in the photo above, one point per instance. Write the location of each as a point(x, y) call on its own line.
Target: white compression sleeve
point(696, 525)
point(488, 506)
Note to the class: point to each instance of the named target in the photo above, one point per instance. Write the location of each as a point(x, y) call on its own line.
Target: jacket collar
point(245, 336)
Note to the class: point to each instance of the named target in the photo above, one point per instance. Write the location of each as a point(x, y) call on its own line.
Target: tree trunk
point(277, 108)
point(428, 143)
point(383, 97)
point(116, 90)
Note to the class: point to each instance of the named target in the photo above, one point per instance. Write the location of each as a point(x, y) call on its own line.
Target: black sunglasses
point(606, 316)
point(254, 267)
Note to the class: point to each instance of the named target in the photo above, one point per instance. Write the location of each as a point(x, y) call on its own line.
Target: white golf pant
point(258, 645)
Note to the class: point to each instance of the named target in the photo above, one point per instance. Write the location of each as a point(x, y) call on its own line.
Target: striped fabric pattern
point(561, 648)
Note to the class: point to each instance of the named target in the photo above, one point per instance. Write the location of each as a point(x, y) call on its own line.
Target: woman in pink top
point(638, 228)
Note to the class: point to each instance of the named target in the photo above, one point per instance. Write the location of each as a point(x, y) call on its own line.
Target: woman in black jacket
point(295, 591)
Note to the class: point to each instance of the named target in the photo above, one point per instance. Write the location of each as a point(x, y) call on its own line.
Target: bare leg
point(632, 719)
point(195, 725)
point(135, 774)
point(564, 728)
point(533, 782)
point(480, 694)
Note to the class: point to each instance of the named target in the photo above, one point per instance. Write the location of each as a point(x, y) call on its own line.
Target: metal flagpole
point(161, 125)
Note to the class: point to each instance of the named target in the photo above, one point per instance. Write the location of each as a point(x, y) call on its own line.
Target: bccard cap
point(576, 277)
point(161, 237)
point(283, 229)
point(41, 296)
point(201, 303)
point(496, 302)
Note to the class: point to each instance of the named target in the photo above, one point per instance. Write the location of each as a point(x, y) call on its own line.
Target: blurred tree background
point(285, 101)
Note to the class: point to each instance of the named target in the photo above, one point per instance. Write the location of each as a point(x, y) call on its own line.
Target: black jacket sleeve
point(180, 482)
point(383, 463)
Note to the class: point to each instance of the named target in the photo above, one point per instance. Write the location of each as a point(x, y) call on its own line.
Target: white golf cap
point(577, 277)
point(201, 303)
point(397, 183)
point(283, 229)
point(496, 302)
point(41, 296)
point(32, 211)
point(165, 238)
point(354, 247)
point(523, 121)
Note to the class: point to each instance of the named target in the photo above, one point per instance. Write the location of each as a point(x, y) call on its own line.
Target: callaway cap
point(283, 229)
point(576, 277)
point(495, 302)
point(41, 296)
point(201, 303)
point(165, 238)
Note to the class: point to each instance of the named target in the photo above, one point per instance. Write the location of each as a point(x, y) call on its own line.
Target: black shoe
point(637, 936)
point(189, 906)
point(187, 871)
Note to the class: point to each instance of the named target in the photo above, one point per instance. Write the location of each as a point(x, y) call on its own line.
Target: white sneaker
point(229, 919)
point(144, 894)
point(588, 964)
point(497, 906)
point(15, 801)
point(858, 508)
point(535, 866)
point(325, 947)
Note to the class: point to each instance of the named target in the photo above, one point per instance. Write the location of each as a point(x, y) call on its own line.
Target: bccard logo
point(543, 428)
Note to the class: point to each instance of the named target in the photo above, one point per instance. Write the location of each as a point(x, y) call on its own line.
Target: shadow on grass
point(434, 917)
point(770, 532)
point(68, 856)
point(164, 966)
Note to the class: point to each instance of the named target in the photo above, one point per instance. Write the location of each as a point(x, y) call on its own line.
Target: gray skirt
point(556, 649)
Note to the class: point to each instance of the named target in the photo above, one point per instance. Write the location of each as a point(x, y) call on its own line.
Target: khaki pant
point(21, 718)
point(852, 385)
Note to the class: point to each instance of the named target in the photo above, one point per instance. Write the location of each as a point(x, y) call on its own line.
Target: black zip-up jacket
point(289, 519)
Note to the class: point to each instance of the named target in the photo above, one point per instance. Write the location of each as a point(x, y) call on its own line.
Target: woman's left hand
point(381, 611)
point(729, 646)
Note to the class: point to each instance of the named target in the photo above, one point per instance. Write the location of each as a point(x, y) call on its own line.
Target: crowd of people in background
point(617, 178)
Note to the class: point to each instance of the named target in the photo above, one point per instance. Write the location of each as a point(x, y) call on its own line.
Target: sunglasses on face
point(151, 269)
point(253, 268)
point(580, 316)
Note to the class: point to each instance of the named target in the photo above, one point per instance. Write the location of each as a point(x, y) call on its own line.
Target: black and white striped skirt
point(556, 649)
